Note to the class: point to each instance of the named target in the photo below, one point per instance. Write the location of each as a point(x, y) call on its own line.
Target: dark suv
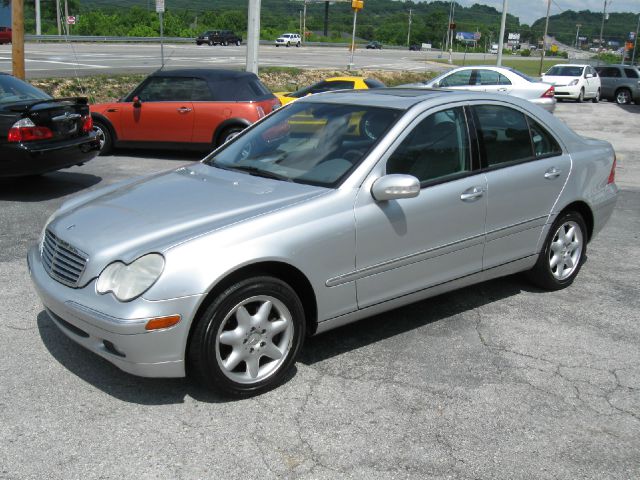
point(619, 83)
point(223, 37)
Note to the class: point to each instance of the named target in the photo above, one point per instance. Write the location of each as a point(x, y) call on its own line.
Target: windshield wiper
point(253, 171)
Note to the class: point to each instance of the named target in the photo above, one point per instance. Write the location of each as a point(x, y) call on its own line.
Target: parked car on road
point(415, 47)
point(219, 37)
point(329, 84)
point(39, 133)
point(221, 268)
point(374, 45)
point(575, 82)
point(619, 83)
point(485, 78)
point(289, 39)
point(5, 35)
point(186, 108)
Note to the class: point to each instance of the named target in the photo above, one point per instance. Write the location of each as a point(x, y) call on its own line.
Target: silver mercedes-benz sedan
point(334, 208)
point(487, 78)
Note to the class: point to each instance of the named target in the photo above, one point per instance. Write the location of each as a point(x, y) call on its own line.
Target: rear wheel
point(563, 253)
point(298, 44)
point(224, 43)
point(596, 99)
point(229, 133)
point(104, 136)
point(210, 42)
point(623, 96)
point(248, 338)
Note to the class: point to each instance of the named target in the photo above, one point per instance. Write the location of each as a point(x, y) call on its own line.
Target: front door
point(164, 114)
point(407, 245)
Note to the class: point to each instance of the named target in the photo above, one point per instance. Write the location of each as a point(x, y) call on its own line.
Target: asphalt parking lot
point(496, 381)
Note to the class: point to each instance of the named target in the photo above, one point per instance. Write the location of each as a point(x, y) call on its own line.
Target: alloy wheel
point(565, 250)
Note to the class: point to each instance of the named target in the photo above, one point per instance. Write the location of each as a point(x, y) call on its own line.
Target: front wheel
point(228, 134)
point(248, 338)
point(104, 136)
point(210, 42)
point(238, 43)
point(596, 99)
point(563, 253)
point(580, 96)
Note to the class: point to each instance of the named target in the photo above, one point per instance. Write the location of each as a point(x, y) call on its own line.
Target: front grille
point(63, 262)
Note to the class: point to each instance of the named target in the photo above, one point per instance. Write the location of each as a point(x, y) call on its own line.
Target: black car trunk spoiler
point(73, 100)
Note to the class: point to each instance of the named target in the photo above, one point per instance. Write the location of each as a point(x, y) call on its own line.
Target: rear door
point(526, 171)
point(492, 81)
point(165, 113)
point(609, 80)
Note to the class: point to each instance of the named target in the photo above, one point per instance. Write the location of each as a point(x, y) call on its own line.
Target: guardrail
point(107, 39)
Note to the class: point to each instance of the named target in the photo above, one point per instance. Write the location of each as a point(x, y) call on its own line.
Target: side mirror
point(136, 102)
point(394, 187)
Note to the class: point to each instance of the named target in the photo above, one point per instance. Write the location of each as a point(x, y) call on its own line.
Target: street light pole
point(635, 41)
point(578, 25)
point(253, 36)
point(409, 31)
point(604, 15)
point(503, 22)
point(38, 24)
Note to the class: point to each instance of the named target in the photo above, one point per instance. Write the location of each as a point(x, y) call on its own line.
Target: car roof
point(211, 74)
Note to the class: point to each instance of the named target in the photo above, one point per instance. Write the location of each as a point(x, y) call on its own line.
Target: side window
point(503, 133)
point(166, 89)
point(329, 86)
point(487, 77)
point(200, 91)
point(504, 80)
point(437, 148)
point(544, 145)
point(458, 79)
point(631, 73)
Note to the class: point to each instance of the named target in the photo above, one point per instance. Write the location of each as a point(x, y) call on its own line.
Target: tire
point(596, 99)
point(198, 43)
point(246, 341)
point(227, 134)
point(224, 43)
point(288, 44)
point(210, 42)
point(563, 253)
point(104, 135)
point(277, 45)
point(298, 44)
point(238, 43)
point(580, 98)
point(623, 96)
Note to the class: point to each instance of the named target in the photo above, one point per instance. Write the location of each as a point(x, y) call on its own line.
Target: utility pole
point(38, 24)
point(578, 25)
point(304, 23)
point(17, 41)
point(503, 22)
point(253, 36)
point(66, 17)
point(58, 17)
point(604, 15)
point(635, 41)
point(544, 37)
point(409, 31)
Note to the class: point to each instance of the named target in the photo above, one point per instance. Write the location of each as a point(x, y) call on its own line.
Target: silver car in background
point(334, 208)
point(490, 79)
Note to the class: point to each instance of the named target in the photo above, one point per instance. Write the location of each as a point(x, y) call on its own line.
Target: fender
point(107, 122)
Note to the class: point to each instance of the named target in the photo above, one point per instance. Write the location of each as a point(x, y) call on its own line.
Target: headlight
point(573, 82)
point(129, 281)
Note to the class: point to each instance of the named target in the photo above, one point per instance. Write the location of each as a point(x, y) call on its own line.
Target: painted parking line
point(70, 64)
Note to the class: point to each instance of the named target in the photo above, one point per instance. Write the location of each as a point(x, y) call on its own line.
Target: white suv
point(288, 39)
point(577, 82)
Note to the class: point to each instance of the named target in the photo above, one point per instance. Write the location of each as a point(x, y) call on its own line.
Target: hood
point(155, 213)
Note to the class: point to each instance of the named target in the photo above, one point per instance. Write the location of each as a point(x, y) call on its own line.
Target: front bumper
point(35, 158)
point(116, 330)
point(566, 91)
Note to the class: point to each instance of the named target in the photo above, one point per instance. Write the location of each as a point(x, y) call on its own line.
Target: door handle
point(502, 89)
point(184, 110)
point(472, 194)
point(552, 173)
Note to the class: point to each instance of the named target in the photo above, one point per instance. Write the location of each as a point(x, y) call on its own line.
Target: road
point(496, 381)
point(78, 59)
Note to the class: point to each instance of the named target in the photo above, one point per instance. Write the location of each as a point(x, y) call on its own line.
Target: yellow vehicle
point(333, 83)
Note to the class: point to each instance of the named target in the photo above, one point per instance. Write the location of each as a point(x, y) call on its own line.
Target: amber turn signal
point(162, 322)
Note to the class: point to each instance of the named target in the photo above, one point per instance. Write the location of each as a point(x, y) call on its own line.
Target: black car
point(222, 37)
point(375, 45)
point(39, 133)
point(415, 47)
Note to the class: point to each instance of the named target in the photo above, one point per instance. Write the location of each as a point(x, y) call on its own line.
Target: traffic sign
point(159, 6)
point(71, 20)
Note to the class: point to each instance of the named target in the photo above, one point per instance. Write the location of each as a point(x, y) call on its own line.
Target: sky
point(530, 10)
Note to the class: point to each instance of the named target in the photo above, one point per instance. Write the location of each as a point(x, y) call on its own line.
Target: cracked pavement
point(495, 381)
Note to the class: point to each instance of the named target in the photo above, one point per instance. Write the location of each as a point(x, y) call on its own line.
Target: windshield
point(565, 71)
point(13, 90)
point(310, 143)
